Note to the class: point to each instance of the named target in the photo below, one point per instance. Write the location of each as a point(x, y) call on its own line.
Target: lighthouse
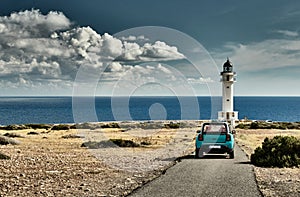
point(227, 79)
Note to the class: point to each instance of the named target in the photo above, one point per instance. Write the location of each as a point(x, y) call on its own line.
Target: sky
point(136, 47)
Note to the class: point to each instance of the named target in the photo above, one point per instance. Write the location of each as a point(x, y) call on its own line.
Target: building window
point(227, 99)
point(228, 78)
point(227, 87)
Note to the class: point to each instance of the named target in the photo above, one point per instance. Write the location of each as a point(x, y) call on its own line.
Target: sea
point(28, 110)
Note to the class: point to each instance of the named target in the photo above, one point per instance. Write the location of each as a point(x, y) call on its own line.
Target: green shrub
point(281, 151)
point(111, 125)
point(13, 135)
point(72, 136)
point(33, 133)
point(14, 127)
point(3, 156)
point(242, 126)
point(124, 143)
point(172, 125)
point(150, 125)
point(254, 125)
point(6, 140)
point(85, 125)
point(145, 143)
point(110, 143)
point(60, 127)
point(96, 145)
point(38, 126)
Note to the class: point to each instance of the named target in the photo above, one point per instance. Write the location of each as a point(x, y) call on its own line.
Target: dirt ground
point(48, 165)
point(45, 164)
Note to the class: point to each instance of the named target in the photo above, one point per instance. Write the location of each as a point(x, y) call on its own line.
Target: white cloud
point(33, 23)
point(134, 38)
point(200, 80)
point(268, 54)
point(288, 33)
point(38, 50)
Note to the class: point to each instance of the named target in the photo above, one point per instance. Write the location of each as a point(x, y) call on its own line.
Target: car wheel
point(198, 154)
point(231, 155)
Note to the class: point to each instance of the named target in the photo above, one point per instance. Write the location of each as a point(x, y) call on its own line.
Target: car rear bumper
point(214, 149)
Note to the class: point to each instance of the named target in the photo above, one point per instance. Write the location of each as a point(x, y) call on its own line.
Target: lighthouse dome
point(227, 66)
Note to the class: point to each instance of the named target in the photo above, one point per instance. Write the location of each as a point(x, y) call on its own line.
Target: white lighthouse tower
point(227, 79)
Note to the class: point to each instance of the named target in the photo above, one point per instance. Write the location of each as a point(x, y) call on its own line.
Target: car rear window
point(210, 128)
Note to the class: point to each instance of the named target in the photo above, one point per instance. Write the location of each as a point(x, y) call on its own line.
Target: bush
point(145, 143)
point(281, 151)
point(13, 135)
point(6, 140)
point(72, 136)
point(172, 125)
point(38, 126)
point(150, 125)
point(14, 127)
point(111, 125)
point(60, 127)
point(3, 156)
point(96, 145)
point(85, 125)
point(124, 143)
point(110, 143)
point(242, 126)
point(33, 133)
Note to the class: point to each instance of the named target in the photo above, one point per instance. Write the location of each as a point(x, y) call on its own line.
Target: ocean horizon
point(59, 109)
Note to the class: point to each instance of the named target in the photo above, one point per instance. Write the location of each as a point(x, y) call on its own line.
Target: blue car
point(214, 138)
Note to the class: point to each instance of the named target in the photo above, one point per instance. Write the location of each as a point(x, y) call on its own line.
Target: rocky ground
point(49, 162)
point(46, 164)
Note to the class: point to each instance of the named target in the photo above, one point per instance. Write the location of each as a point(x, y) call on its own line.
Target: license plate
point(214, 146)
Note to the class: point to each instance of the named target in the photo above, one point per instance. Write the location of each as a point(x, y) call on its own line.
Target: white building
point(227, 79)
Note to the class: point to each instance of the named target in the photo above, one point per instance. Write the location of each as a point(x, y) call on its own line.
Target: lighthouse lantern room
point(227, 79)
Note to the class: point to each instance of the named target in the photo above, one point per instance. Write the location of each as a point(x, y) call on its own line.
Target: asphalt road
point(210, 176)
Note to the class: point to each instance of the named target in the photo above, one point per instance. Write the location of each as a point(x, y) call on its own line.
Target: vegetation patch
point(110, 143)
point(281, 151)
point(85, 125)
point(172, 125)
point(111, 125)
point(125, 143)
point(61, 127)
point(13, 135)
point(38, 126)
point(96, 145)
point(146, 143)
point(150, 125)
point(267, 125)
point(6, 140)
point(14, 127)
point(33, 133)
point(3, 156)
point(72, 136)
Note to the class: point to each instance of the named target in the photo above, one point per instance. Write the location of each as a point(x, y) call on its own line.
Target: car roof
point(215, 123)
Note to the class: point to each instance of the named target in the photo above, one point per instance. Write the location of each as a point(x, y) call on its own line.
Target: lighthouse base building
point(227, 79)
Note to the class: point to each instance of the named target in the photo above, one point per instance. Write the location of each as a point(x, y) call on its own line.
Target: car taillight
point(228, 138)
point(200, 137)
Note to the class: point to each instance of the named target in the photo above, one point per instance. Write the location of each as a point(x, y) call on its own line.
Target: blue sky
point(260, 37)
